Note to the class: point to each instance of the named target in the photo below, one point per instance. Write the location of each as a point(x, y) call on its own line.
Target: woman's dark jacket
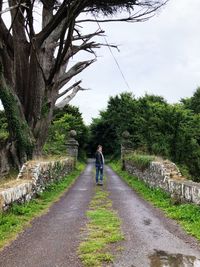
point(99, 158)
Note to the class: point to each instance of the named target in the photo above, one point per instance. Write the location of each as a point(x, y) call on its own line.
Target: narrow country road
point(53, 239)
point(151, 239)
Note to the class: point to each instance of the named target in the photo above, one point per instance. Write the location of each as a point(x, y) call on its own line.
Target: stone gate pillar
point(72, 145)
point(126, 146)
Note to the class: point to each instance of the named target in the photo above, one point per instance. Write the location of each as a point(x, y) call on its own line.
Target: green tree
point(156, 127)
point(34, 65)
point(193, 102)
point(108, 129)
point(65, 120)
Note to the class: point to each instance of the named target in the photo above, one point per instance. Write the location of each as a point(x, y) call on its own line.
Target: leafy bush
point(65, 120)
point(156, 128)
point(142, 162)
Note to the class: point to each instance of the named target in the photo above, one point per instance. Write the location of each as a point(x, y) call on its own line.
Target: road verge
point(187, 215)
point(19, 217)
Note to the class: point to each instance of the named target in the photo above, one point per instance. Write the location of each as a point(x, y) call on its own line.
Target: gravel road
point(52, 240)
point(151, 239)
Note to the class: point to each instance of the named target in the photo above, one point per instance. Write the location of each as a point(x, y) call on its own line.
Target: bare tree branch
point(30, 19)
point(68, 98)
point(77, 68)
point(1, 5)
point(63, 47)
point(6, 37)
point(66, 10)
point(12, 7)
point(69, 89)
point(73, 49)
point(30, 35)
point(146, 12)
point(88, 37)
point(125, 19)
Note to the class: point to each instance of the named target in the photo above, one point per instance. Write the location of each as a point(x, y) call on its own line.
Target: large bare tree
point(34, 65)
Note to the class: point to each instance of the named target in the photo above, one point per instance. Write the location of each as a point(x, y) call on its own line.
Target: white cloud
point(160, 56)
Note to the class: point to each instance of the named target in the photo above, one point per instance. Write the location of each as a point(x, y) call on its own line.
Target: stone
point(72, 133)
point(34, 178)
point(166, 175)
point(1, 202)
point(72, 145)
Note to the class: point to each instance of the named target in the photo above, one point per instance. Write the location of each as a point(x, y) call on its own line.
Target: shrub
point(142, 162)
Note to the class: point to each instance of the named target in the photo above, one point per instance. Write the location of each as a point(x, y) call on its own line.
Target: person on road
point(99, 165)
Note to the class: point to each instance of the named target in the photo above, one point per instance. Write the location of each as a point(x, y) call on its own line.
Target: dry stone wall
point(32, 179)
point(166, 175)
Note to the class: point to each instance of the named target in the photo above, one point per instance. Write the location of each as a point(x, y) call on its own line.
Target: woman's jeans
point(99, 171)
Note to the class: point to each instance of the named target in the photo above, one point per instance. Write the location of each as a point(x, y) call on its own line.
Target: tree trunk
point(41, 128)
point(35, 64)
point(4, 159)
point(21, 139)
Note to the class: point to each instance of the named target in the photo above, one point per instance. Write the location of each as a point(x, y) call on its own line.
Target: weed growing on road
point(103, 230)
point(187, 215)
point(20, 216)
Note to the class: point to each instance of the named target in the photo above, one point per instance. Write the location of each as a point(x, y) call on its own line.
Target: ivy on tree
point(36, 65)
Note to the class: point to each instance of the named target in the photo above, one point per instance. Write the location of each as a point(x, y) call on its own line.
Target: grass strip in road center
point(187, 215)
point(19, 216)
point(103, 231)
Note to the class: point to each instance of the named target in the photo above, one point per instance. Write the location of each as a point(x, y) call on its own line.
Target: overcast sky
point(160, 56)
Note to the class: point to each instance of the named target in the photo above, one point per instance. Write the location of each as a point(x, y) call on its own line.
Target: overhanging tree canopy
point(35, 64)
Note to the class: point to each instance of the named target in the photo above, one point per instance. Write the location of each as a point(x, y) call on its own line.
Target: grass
point(103, 229)
point(11, 176)
point(142, 162)
point(185, 171)
point(20, 216)
point(187, 215)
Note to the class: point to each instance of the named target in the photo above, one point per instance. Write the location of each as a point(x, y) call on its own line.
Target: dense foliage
point(156, 127)
point(65, 120)
point(3, 127)
point(38, 60)
point(193, 103)
point(142, 162)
